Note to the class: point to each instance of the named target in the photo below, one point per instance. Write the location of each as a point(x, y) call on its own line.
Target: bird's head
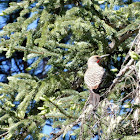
point(95, 59)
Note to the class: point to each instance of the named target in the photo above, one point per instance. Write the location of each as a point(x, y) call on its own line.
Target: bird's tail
point(94, 98)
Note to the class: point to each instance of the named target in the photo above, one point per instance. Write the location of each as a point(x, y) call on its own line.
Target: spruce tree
point(66, 34)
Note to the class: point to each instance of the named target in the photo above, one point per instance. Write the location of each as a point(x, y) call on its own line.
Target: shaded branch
point(117, 41)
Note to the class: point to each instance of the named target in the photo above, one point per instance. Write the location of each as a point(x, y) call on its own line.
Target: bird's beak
point(104, 56)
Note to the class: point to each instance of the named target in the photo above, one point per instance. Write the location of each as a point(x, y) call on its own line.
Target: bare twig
point(4, 134)
point(117, 41)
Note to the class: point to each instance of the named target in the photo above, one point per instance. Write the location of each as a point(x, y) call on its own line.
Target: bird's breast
point(93, 77)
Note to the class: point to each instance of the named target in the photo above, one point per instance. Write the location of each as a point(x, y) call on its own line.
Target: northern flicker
point(94, 76)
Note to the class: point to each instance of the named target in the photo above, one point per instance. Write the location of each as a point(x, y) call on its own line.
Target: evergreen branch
point(117, 40)
point(40, 51)
point(63, 38)
point(104, 18)
point(62, 111)
point(23, 49)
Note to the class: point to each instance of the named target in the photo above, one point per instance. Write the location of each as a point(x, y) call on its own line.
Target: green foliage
point(67, 34)
point(134, 55)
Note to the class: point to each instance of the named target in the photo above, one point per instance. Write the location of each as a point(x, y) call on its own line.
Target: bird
point(94, 77)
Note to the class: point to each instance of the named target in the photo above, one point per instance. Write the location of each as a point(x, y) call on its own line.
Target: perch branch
point(4, 134)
